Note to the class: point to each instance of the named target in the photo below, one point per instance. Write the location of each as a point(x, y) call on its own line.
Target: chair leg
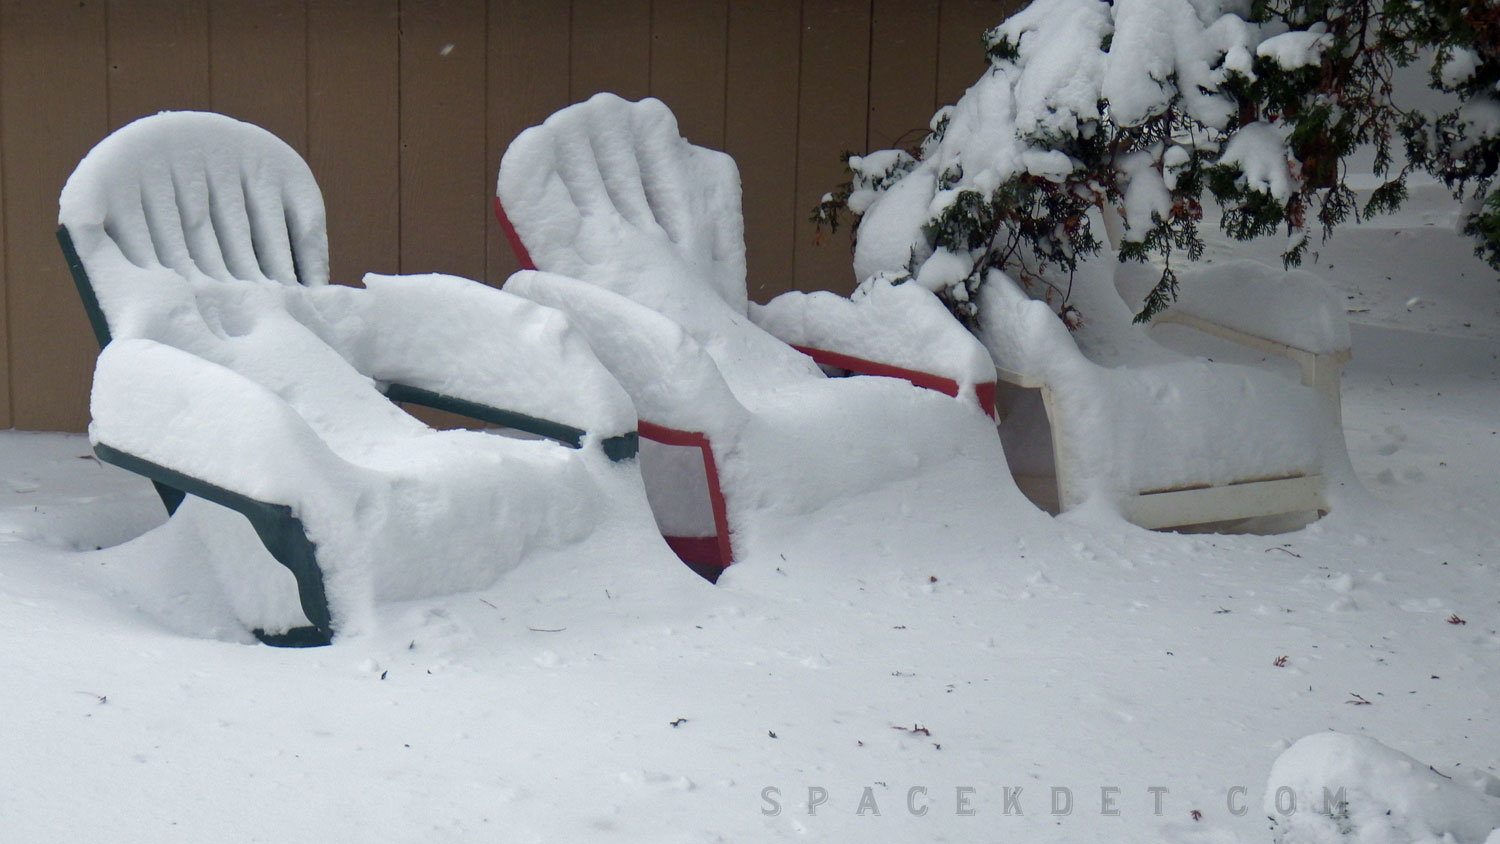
point(1068, 493)
point(722, 551)
point(716, 500)
point(171, 497)
point(285, 537)
point(279, 530)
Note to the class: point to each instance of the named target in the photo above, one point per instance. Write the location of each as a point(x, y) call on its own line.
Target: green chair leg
point(279, 530)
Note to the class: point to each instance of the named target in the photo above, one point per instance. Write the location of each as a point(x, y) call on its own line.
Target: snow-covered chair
point(638, 236)
point(1169, 439)
point(233, 375)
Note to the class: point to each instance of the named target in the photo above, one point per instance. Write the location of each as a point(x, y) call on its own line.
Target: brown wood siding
point(257, 56)
point(404, 107)
point(903, 71)
point(760, 131)
point(688, 64)
point(960, 57)
point(611, 48)
point(833, 103)
point(445, 167)
point(530, 54)
point(53, 108)
point(158, 57)
point(5, 415)
point(5, 418)
point(354, 143)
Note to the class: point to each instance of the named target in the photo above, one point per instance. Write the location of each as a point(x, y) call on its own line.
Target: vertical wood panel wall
point(404, 107)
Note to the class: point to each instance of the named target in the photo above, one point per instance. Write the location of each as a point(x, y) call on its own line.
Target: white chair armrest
point(1295, 309)
point(1294, 315)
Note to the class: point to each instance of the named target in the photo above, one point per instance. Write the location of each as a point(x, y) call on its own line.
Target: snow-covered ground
point(936, 650)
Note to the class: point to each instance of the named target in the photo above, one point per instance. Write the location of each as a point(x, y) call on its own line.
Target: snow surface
point(1355, 789)
point(1259, 151)
point(204, 195)
point(1412, 270)
point(790, 447)
point(1077, 653)
point(1163, 47)
point(1291, 50)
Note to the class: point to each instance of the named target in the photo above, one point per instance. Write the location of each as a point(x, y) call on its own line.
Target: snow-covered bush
point(1142, 106)
point(1336, 788)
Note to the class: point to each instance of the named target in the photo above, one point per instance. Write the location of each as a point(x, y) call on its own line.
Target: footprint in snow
point(1389, 441)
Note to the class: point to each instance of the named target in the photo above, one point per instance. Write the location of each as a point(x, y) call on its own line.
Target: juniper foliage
point(1326, 102)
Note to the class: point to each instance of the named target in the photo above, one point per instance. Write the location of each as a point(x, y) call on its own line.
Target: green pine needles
point(1260, 108)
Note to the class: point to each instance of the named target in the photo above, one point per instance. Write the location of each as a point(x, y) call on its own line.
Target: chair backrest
point(201, 194)
point(196, 231)
point(609, 192)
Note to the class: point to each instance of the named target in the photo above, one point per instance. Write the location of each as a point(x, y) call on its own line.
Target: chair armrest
point(1253, 304)
point(1310, 362)
point(205, 421)
point(460, 346)
point(1026, 341)
point(667, 374)
point(895, 330)
point(1294, 315)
